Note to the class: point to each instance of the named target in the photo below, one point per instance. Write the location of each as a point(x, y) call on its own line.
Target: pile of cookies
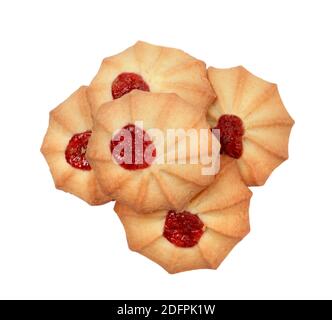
point(187, 211)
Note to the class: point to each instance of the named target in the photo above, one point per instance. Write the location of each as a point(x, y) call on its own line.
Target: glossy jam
point(231, 133)
point(126, 82)
point(183, 229)
point(76, 150)
point(132, 148)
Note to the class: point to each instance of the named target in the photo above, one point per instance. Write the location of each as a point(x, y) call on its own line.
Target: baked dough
point(266, 122)
point(163, 69)
point(222, 207)
point(159, 186)
point(69, 118)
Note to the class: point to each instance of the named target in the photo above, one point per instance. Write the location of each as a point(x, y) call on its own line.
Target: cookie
point(151, 68)
point(64, 148)
point(198, 237)
point(253, 122)
point(172, 171)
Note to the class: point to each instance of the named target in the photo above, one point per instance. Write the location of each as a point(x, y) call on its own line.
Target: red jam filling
point(183, 229)
point(76, 150)
point(132, 148)
point(231, 133)
point(127, 81)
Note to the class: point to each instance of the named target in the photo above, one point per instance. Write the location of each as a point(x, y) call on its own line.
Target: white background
point(52, 245)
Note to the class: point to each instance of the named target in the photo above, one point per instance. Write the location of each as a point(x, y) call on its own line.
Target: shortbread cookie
point(64, 149)
point(254, 124)
point(151, 68)
point(152, 182)
point(198, 237)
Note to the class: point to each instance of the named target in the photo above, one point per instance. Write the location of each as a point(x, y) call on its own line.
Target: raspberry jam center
point(231, 133)
point(76, 150)
point(183, 229)
point(132, 148)
point(127, 81)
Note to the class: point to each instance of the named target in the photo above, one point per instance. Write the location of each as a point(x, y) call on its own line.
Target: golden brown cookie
point(64, 148)
point(254, 124)
point(151, 68)
point(199, 237)
point(152, 182)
